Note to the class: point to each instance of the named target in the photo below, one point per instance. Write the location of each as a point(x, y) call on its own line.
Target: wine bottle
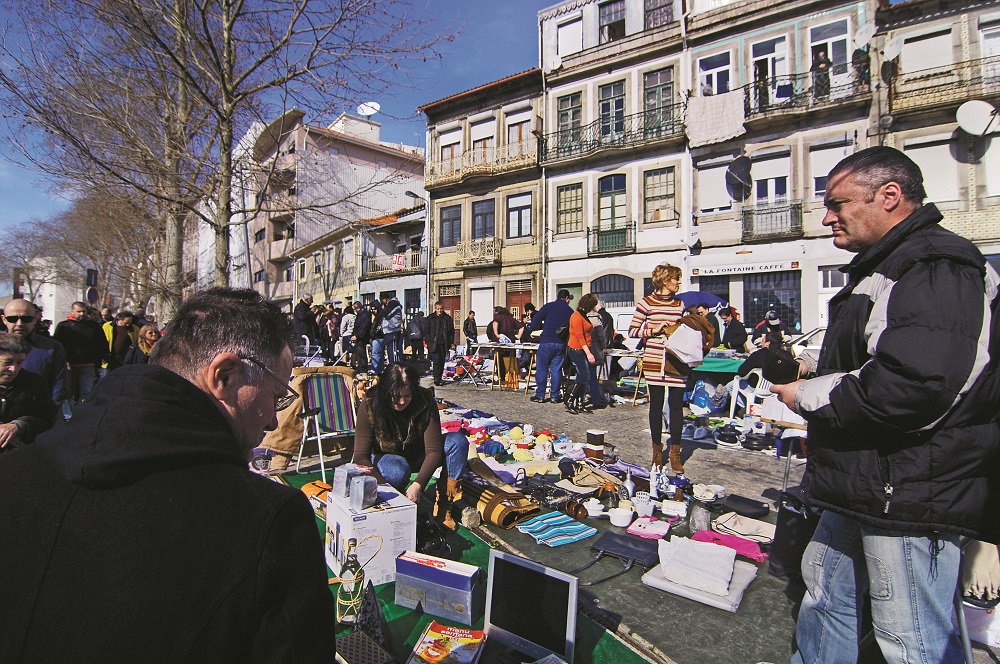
point(352, 586)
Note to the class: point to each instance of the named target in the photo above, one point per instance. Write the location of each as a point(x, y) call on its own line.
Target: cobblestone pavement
point(742, 472)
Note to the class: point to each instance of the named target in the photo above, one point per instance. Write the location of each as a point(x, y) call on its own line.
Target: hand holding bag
point(686, 344)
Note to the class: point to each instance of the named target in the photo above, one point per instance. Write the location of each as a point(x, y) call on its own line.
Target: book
point(448, 645)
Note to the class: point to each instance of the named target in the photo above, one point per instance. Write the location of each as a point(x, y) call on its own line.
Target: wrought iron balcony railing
point(482, 161)
point(611, 240)
point(946, 85)
point(479, 252)
point(804, 91)
point(613, 132)
point(768, 222)
point(388, 265)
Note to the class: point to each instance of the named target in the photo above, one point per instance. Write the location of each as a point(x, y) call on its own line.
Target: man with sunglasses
point(137, 530)
point(47, 357)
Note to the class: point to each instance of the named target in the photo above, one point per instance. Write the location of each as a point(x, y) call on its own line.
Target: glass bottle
point(628, 484)
point(352, 586)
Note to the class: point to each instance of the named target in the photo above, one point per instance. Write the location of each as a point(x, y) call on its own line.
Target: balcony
point(280, 207)
point(772, 222)
point(617, 240)
point(481, 162)
point(479, 252)
point(613, 133)
point(408, 262)
point(945, 86)
point(780, 95)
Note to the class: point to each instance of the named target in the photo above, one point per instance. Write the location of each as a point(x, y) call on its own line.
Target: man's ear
point(223, 377)
point(893, 196)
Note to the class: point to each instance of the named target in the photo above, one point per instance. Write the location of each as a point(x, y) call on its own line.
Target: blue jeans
point(396, 470)
point(378, 355)
point(548, 361)
point(911, 580)
point(579, 360)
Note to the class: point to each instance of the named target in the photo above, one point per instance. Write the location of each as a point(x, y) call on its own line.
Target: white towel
point(699, 565)
point(715, 118)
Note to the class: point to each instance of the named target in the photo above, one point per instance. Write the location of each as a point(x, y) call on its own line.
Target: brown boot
point(675, 459)
point(279, 462)
point(447, 492)
point(657, 454)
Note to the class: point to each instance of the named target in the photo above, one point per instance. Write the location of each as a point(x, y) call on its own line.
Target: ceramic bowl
point(620, 517)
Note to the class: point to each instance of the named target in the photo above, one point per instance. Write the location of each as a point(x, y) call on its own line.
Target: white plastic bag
point(686, 344)
point(983, 624)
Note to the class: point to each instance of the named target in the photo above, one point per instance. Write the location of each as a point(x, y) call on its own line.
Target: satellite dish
point(554, 64)
point(864, 35)
point(369, 108)
point(885, 121)
point(977, 117)
point(693, 238)
point(738, 178)
point(893, 48)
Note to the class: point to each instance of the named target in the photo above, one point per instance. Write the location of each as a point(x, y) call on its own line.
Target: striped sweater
point(653, 312)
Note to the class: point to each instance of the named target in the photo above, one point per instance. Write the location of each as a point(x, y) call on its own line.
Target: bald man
point(47, 357)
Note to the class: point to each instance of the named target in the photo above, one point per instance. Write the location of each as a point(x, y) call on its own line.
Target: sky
point(496, 38)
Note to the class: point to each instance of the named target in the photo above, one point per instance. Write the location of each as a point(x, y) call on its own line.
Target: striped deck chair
point(327, 412)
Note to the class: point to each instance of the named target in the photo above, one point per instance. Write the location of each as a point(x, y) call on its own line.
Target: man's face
point(438, 309)
point(856, 223)
point(725, 318)
point(78, 313)
point(123, 322)
point(25, 320)
point(702, 311)
point(10, 366)
point(254, 412)
point(308, 299)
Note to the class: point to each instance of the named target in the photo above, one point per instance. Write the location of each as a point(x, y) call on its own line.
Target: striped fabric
point(556, 529)
point(652, 312)
point(331, 393)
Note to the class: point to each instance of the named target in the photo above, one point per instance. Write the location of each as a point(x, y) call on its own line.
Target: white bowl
point(620, 517)
point(594, 510)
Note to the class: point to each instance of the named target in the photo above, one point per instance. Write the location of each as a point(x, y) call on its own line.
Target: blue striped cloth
point(556, 529)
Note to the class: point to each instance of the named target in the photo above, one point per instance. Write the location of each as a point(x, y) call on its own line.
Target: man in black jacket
point(304, 321)
point(734, 335)
point(439, 332)
point(361, 337)
point(137, 533)
point(86, 349)
point(904, 443)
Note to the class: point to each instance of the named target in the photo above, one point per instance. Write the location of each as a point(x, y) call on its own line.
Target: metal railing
point(482, 161)
point(772, 221)
point(803, 91)
point(948, 84)
point(613, 132)
point(617, 240)
point(387, 265)
point(484, 251)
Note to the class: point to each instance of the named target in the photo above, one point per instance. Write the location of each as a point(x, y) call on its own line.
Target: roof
point(493, 84)
point(360, 141)
point(392, 218)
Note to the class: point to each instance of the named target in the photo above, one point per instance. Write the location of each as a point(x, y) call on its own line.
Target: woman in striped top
point(665, 375)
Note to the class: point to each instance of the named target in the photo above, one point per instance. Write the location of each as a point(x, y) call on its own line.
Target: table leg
point(531, 372)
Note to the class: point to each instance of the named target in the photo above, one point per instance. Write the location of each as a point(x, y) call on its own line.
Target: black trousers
point(438, 354)
point(675, 400)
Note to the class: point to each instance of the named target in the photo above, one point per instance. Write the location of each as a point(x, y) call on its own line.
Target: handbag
point(629, 550)
point(686, 344)
point(498, 503)
point(563, 334)
point(749, 507)
point(795, 527)
point(780, 368)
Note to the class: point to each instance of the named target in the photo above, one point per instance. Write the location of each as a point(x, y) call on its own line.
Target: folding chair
point(754, 396)
point(308, 356)
point(328, 409)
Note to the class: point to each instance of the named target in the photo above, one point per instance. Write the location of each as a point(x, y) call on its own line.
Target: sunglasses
point(15, 319)
point(280, 403)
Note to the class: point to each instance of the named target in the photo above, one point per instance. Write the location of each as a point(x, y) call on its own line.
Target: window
point(713, 196)
point(658, 12)
point(569, 38)
point(349, 251)
point(258, 276)
point(569, 208)
point(658, 195)
point(933, 51)
point(289, 273)
point(716, 285)
point(781, 291)
point(614, 290)
point(519, 139)
point(832, 39)
point(329, 260)
point(483, 219)
point(449, 152)
point(519, 215)
point(612, 18)
point(713, 74)
point(822, 160)
point(260, 235)
point(317, 264)
point(991, 49)
point(482, 136)
point(934, 157)
point(658, 97)
point(451, 225)
point(770, 72)
point(771, 180)
point(290, 231)
point(991, 162)
point(611, 202)
point(611, 104)
point(832, 277)
point(570, 110)
point(518, 132)
point(411, 300)
point(301, 270)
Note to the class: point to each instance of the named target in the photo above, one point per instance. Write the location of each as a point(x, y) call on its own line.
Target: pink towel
point(743, 547)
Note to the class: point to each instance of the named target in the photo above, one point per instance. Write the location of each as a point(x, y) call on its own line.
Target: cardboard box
point(443, 588)
point(389, 527)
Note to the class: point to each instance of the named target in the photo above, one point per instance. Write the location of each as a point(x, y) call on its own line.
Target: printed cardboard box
point(442, 588)
point(384, 530)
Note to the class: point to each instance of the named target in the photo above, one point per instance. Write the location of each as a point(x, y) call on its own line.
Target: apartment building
point(312, 186)
point(394, 259)
point(933, 58)
point(485, 240)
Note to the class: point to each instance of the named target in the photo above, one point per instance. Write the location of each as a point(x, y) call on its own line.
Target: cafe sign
point(745, 268)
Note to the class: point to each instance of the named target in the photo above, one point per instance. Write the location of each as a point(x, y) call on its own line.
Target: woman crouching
point(398, 432)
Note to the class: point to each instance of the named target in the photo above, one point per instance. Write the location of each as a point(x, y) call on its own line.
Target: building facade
point(485, 232)
point(394, 259)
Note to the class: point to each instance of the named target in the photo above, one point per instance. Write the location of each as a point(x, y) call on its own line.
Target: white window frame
point(708, 79)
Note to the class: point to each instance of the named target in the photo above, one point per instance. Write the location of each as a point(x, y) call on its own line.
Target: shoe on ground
point(557, 400)
point(537, 400)
point(439, 383)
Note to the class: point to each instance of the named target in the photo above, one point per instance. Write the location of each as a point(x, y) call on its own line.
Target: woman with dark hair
point(579, 352)
point(504, 325)
point(398, 431)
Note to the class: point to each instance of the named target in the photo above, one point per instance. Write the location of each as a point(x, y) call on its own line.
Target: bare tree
point(153, 93)
point(27, 251)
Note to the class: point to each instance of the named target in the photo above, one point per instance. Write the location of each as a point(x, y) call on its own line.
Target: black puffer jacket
point(903, 419)
point(136, 533)
point(28, 403)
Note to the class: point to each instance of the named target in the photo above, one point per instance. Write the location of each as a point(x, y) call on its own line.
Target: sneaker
point(537, 400)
